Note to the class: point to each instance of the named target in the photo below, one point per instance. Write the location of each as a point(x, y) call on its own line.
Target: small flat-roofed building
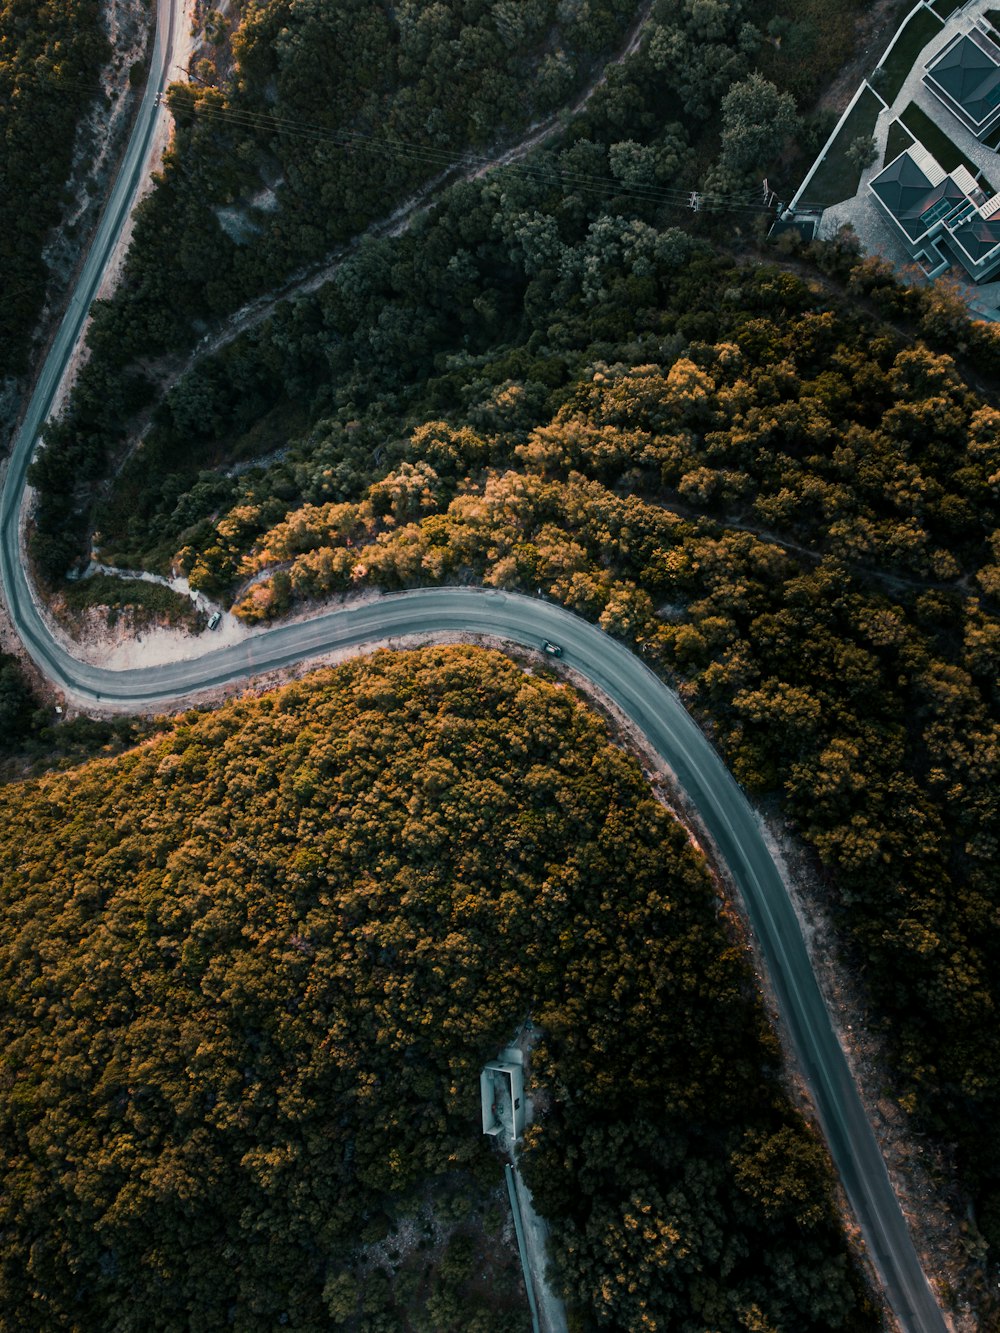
point(501, 1091)
point(965, 77)
point(941, 215)
point(804, 227)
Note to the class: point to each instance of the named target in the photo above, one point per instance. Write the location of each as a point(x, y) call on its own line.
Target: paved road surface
point(134, 167)
point(650, 705)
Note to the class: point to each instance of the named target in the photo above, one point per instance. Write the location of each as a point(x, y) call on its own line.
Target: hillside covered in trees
point(795, 515)
point(786, 497)
point(335, 115)
point(331, 121)
point(251, 970)
point(49, 57)
point(778, 479)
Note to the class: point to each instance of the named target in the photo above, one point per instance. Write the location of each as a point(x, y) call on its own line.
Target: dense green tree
point(756, 120)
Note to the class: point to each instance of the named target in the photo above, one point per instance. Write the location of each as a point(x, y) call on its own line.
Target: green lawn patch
point(836, 177)
point(911, 41)
point(898, 139)
point(934, 139)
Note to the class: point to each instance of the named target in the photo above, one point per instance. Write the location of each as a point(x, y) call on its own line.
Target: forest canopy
point(782, 488)
point(778, 480)
point(252, 968)
point(49, 57)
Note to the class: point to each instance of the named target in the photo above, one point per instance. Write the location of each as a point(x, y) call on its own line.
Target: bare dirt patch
point(183, 46)
point(131, 638)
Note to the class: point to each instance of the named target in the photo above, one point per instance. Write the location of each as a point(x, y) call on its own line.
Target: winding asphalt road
point(724, 811)
point(121, 200)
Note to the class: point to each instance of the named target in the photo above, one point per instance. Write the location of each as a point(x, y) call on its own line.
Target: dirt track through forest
point(309, 280)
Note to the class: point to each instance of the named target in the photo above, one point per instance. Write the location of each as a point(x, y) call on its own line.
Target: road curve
point(657, 711)
point(721, 806)
point(133, 169)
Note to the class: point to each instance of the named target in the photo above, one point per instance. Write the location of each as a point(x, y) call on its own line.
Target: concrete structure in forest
point(501, 1092)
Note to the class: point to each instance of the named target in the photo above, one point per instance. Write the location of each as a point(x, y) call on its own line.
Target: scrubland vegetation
point(251, 971)
point(792, 511)
point(34, 739)
point(688, 110)
point(780, 486)
point(778, 478)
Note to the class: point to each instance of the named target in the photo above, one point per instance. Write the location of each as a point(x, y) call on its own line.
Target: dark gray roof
point(978, 236)
point(969, 72)
point(910, 197)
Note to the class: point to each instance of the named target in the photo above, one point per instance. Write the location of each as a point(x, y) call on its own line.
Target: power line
point(679, 196)
point(445, 160)
point(442, 159)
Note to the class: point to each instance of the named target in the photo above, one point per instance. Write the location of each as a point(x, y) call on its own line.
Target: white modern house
point(940, 215)
point(965, 77)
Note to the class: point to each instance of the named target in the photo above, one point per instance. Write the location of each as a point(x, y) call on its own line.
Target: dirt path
point(551, 1310)
point(875, 27)
point(309, 280)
